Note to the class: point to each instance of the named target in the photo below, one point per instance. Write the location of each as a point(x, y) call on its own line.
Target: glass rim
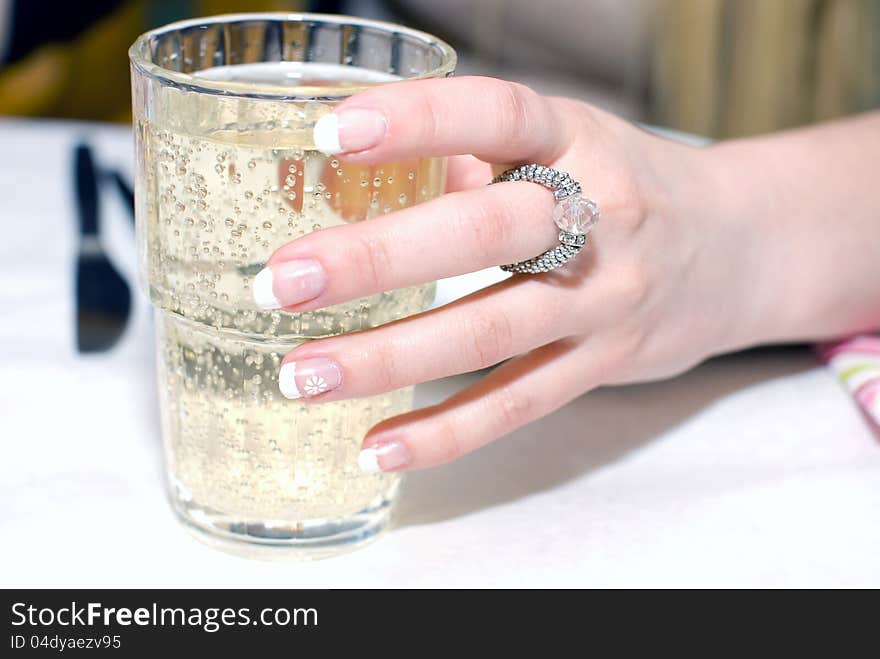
point(140, 59)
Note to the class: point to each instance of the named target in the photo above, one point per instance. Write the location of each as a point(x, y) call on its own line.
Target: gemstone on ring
point(576, 214)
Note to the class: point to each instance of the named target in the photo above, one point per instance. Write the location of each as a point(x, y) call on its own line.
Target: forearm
point(806, 204)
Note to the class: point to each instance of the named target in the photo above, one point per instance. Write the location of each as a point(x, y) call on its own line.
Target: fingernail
point(347, 131)
point(384, 457)
point(288, 282)
point(309, 377)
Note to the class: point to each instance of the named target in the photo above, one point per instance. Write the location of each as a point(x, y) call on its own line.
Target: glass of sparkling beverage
point(227, 172)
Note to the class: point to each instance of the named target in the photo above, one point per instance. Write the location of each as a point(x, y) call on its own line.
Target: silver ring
point(574, 214)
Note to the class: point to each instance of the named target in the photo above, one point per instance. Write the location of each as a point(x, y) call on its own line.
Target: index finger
point(496, 120)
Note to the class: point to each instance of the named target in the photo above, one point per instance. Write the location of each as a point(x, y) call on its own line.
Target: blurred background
point(719, 68)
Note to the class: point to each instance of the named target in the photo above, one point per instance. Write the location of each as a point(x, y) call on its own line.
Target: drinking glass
point(227, 172)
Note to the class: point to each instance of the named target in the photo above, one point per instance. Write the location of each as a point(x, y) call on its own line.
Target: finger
point(495, 120)
point(467, 172)
point(514, 394)
point(477, 331)
point(457, 233)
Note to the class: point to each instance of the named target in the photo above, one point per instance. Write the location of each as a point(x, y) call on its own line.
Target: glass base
point(285, 540)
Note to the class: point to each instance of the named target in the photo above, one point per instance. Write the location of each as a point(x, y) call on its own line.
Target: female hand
point(657, 289)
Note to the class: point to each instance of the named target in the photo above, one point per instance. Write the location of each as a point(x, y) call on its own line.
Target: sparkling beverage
point(222, 183)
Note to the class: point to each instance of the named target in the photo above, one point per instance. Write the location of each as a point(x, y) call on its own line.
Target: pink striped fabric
point(856, 363)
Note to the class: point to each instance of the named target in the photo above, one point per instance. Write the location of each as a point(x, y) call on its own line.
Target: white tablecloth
point(752, 470)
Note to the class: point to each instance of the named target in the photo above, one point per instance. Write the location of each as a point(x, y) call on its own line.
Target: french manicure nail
point(309, 377)
point(288, 282)
point(384, 457)
point(347, 131)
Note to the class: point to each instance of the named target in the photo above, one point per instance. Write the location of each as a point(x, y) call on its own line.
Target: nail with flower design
point(309, 377)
